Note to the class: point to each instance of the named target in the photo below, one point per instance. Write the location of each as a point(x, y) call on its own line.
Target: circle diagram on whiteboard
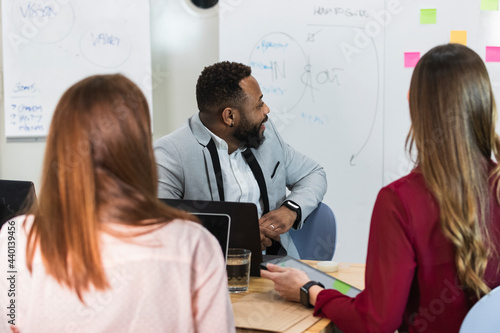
point(277, 61)
point(43, 21)
point(106, 46)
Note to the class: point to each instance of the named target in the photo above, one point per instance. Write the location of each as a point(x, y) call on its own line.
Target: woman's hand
point(287, 281)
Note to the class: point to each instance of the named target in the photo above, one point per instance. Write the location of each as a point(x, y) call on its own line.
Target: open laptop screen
point(244, 231)
point(15, 196)
point(219, 225)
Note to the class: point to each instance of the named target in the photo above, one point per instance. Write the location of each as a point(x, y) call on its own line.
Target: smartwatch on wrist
point(304, 292)
point(295, 208)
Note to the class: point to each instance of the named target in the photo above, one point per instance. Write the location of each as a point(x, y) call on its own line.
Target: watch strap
point(304, 292)
point(293, 206)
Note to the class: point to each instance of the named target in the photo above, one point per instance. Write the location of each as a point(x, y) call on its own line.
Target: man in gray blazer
point(231, 151)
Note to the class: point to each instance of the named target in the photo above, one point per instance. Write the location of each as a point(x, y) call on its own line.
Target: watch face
point(292, 205)
point(304, 297)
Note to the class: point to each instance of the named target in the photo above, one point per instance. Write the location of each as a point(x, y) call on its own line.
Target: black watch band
point(304, 292)
point(293, 206)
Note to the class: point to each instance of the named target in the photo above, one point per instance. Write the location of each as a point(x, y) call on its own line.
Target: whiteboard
point(48, 45)
point(333, 75)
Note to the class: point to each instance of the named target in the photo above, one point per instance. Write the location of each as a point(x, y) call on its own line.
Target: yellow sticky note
point(489, 4)
point(458, 37)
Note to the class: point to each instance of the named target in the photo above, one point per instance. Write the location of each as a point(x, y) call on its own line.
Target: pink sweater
point(170, 280)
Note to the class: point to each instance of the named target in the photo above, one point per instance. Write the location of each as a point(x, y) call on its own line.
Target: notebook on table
point(244, 232)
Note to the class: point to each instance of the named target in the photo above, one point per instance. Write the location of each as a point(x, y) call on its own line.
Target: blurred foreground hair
point(99, 169)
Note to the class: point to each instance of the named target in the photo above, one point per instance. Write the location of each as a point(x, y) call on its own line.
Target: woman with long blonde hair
point(434, 242)
point(100, 252)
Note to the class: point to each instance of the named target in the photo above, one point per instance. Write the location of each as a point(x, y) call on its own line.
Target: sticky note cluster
point(429, 16)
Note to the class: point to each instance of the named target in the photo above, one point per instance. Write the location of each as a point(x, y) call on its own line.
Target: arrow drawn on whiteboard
point(354, 156)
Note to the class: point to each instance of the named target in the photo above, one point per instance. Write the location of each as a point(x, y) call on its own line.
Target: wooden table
point(353, 274)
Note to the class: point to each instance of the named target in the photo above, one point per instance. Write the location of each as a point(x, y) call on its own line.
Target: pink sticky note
point(411, 59)
point(492, 54)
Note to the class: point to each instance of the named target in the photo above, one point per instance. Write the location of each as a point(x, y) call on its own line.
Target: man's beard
point(248, 135)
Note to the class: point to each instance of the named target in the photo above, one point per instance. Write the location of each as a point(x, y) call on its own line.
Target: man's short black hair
point(218, 86)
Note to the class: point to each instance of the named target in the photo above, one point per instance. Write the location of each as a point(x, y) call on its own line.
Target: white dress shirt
point(240, 184)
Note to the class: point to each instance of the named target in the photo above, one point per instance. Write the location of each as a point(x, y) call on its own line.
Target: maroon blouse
point(410, 279)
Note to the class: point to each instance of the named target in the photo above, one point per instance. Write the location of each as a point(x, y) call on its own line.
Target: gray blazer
point(185, 171)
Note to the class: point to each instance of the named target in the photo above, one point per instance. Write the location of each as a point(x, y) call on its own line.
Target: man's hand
point(277, 221)
point(266, 237)
point(264, 240)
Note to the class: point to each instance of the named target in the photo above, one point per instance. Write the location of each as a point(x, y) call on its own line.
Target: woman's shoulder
point(412, 181)
point(176, 240)
point(176, 227)
point(15, 233)
point(410, 189)
point(185, 231)
point(185, 225)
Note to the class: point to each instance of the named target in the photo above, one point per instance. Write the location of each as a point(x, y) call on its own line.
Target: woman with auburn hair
point(434, 241)
point(100, 252)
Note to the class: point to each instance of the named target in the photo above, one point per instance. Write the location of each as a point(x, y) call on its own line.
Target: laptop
point(15, 197)
point(219, 225)
point(244, 232)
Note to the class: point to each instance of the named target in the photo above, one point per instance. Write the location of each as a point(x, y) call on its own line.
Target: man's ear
point(228, 116)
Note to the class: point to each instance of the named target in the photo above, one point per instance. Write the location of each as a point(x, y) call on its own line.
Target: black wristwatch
point(304, 292)
point(296, 208)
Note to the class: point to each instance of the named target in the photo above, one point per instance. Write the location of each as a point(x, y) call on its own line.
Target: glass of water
point(238, 269)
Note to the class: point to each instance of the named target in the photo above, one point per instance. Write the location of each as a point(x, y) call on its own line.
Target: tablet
point(316, 275)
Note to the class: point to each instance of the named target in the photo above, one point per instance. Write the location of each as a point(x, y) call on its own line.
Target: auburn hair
point(453, 117)
point(99, 168)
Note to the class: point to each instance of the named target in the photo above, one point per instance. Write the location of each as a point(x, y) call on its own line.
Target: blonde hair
point(99, 168)
point(453, 118)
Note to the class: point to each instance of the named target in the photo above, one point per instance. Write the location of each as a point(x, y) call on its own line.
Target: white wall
point(184, 39)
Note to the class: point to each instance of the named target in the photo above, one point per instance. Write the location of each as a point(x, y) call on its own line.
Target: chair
point(484, 315)
point(15, 196)
point(317, 238)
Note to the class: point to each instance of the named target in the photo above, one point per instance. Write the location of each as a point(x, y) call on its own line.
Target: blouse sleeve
point(390, 266)
point(212, 308)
